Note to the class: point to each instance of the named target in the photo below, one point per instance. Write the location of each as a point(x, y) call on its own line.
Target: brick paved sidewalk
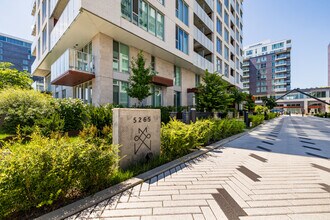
point(276, 172)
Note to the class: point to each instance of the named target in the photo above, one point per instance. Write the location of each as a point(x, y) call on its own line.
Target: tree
point(249, 103)
point(237, 96)
point(140, 80)
point(10, 77)
point(213, 94)
point(270, 103)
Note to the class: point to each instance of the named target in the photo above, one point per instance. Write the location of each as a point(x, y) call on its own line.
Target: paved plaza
point(281, 170)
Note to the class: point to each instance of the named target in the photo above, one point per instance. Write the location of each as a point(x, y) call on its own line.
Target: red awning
point(73, 78)
point(162, 81)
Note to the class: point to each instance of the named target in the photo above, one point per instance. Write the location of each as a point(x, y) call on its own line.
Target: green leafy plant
point(256, 119)
point(140, 79)
point(10, 77)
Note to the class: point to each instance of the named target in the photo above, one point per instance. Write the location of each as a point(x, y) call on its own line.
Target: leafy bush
point(259, 109)
point(100, 116)
point(73, 112)
point(271, 115)
point(177, 138)
point(26, 108)
point(46, 170)
point(256, 119)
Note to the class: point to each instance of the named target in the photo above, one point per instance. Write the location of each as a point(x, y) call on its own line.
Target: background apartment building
point(18, 52)
point(87, 46)
point(267, 68)
point(296, 101)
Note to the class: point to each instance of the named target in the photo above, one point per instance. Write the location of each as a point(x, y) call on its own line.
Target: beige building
point(84, 48)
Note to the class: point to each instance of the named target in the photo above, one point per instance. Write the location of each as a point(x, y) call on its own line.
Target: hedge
point(256, 119)
point(47, 170)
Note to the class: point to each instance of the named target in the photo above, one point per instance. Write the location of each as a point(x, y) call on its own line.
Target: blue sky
point(306, 22)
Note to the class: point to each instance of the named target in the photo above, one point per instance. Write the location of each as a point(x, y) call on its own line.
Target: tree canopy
point(213, 94)
point(140, 79)
point(270, 103)
point(10, 77)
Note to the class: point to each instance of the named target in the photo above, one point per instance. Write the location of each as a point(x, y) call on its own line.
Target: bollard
point(193, 115)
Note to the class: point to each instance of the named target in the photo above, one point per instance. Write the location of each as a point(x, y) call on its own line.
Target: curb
point(98, 197)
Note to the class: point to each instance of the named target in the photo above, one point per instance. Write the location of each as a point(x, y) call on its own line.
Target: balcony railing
point(199, 11)
point(69, 14)
point(280, 89)
point(203, 63)
point(281, 63)
point(202, 39)
point(72, 68)
point(280, 70)
point(34, 7)
point(210, 3)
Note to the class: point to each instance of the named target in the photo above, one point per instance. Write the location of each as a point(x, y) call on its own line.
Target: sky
point(305, 22)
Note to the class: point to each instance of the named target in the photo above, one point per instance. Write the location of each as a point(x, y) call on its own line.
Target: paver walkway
point(278, 171)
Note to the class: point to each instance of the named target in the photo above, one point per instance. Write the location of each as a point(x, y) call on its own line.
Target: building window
point(153, 63)
point(219, 8)
point(0, 44)
point(277, 46)
point(177, 99)
point(25, 62)
point(197, 80)
point(162, 2)
point(25, 68)
point(44, 39)
point(226, 35)
point(182, 11)
point(249, 52)
point(120, 57)
point(219, 46)
point(219, 27)
point(39, 50)
point(63, 93)
point(144, 15)
point(120, 96)
point(227, 4)
point(226, 53)
point(219, 65)
point(177, 76)
point(226, 18)
point(182, 40)
point(264, 49)
point(237, 78)
point(226, 73)
point(44, 12)
point(157, 96)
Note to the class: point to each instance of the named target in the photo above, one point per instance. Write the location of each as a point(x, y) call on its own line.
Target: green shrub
point(26, 108)
point(100, 116)
point(202, 130)
point(177, 138)
point(73, 112)
point(271, 115)
point(225, 128)
point(46, 170)
point(256, 119)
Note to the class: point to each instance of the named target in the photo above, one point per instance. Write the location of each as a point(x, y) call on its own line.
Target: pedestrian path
point(278, 171)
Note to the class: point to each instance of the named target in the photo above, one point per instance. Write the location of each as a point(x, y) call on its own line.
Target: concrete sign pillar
point(137, 131)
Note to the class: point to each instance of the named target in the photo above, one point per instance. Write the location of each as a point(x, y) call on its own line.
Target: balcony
point(199, 11)
point(281, 63)
point(33, 33)
point(246, 64)
point(203, 63)
point(69, 14)
point(281, 70)
point(279, 83)
point(280, 89)
point(281, 57)
point(72, 68)
point(202, 39)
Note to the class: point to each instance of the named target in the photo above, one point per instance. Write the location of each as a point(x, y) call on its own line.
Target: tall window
point(226, 18)
point(219, 27)
point(177, 76)
point(182, 39)
point(44, 12)
point(120, 96)
point(120, 57)
point(39, 23)
point(226, 53)
point(278, 45)
point(162, 2)
point(197, 80)
point(44, 39)
point(160, 26)
point(219, 65)
point(226, 73)
point(226, 35)
point(177, 99)
point(152, 20)
point(182, 11)
point(219, 46)
point(126, 8)
point(219, 8)
point(143, 15)
point(157, 96)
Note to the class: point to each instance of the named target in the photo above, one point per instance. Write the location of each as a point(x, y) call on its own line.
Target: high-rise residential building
point(89, 45)
point(329, 65)
point(16, 51)
point(267, 68)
